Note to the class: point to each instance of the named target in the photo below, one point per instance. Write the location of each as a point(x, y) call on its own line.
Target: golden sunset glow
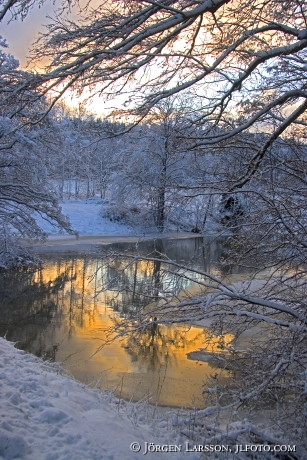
point(153, 364)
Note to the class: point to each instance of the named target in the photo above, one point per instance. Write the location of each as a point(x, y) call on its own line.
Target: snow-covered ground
point(85, 218)
point(46, 415)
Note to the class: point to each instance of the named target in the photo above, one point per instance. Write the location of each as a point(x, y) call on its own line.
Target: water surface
point(65, 311)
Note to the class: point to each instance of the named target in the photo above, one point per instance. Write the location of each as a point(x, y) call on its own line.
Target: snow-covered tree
point(152, 165)
point(244, 62)
point(25, 196)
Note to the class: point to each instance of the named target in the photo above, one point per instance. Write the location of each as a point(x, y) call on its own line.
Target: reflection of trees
point(36, 304)
point(154, 346)
point(28, 306)
point(136, 276)
point(148, 347)
point(39, 308)
point(136, 282)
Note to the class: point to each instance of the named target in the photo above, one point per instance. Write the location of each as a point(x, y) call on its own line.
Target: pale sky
point(21, 34)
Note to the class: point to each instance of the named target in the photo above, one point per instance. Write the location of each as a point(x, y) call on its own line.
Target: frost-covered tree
point(166, 159)
point(88, 154)
point(15, 7)
point(244, 62)
point(152, 167)
point(25, 196)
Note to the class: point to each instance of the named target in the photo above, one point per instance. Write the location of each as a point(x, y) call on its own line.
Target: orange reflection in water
point(151, 364)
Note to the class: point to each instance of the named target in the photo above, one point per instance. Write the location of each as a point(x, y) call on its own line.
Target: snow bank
point(48, 416)
point(85, 217)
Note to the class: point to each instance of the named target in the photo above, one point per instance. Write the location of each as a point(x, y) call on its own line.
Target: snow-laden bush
point(135, 216)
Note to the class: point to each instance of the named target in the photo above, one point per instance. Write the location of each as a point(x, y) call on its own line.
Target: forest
point(211, 138)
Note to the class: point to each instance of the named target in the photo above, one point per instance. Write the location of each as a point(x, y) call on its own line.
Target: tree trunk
point(160, 209)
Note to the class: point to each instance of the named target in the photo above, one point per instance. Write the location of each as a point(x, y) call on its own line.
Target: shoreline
point(68, 243)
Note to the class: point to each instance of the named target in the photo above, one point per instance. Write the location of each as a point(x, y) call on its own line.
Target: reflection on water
point(65, 311)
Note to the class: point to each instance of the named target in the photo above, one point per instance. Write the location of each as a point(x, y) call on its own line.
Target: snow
point(85, 218)
point(46, 415)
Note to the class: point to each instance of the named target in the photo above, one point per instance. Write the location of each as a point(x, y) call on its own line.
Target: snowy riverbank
point(86, 218)
point(94, 230)
point(48, 416)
